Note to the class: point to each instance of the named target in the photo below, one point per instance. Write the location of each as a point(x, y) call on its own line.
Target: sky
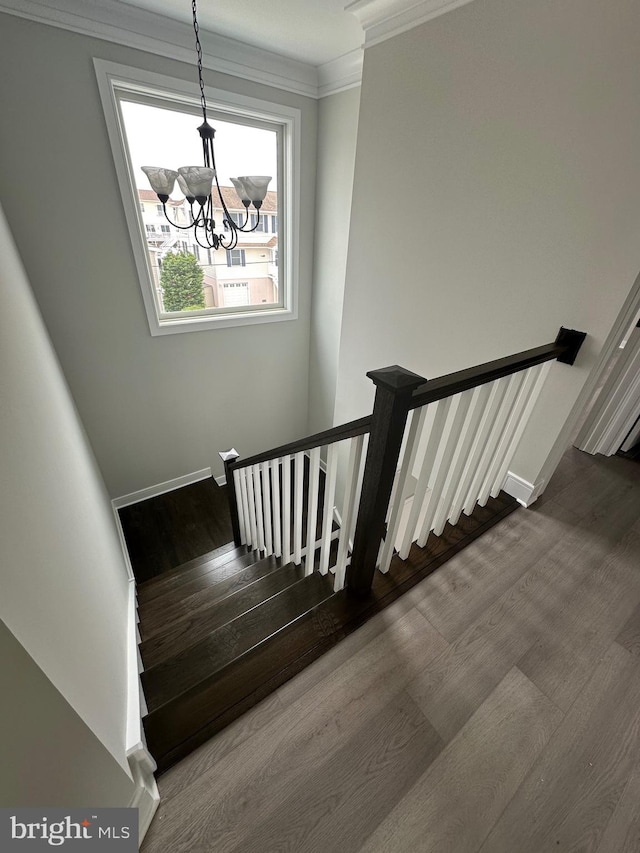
point(161, 137)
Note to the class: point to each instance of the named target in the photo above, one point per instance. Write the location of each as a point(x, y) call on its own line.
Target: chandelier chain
point(196, 29)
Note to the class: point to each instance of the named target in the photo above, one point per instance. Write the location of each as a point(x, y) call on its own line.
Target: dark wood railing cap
point(397, 379)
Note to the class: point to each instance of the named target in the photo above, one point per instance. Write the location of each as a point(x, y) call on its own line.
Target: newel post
point(228, 457)
point(394, 386)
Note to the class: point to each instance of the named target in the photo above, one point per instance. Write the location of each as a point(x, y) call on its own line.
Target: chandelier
point(196, 184)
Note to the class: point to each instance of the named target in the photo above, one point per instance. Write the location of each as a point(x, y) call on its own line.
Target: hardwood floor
point(493, 708)
point(164, 532)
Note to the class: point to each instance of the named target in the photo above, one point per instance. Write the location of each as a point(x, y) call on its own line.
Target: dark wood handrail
point(329, 436)
point(463, 380)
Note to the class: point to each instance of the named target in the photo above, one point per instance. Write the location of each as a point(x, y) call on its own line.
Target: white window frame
point(114, 78)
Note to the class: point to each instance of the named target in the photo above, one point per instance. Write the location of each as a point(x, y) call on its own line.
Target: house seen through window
point(188, 277)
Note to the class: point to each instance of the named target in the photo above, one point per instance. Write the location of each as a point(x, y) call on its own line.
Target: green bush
point(181, 282)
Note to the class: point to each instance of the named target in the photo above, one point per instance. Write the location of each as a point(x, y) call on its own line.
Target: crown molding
point(121, 23)
point(340, 74)
point(383, 19)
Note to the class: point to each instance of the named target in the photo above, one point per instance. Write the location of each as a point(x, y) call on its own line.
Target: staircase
point(223, 631)
point(414, 483)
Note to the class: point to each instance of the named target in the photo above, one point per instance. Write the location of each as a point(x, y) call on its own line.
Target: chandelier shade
point(198, 180)
point(162, 180)
point(197, 183)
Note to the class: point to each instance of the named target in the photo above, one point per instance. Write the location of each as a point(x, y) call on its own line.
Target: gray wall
point(495, 195)
point(49, 755)
point(64, 585)
point(153, 408)
point(337, 131)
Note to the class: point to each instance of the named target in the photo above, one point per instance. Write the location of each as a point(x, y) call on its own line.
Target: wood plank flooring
point(494, 708)
point(171, 529)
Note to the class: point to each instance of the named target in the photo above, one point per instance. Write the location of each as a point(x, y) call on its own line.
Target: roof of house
point(230, 196)
point(263, 244)
point(232, 200)
point(149, 195)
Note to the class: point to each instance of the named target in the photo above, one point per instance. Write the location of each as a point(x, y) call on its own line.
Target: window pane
point(165, 137)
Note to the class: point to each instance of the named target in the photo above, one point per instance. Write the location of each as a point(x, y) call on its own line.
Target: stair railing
point(279, 498)
point(434, 449)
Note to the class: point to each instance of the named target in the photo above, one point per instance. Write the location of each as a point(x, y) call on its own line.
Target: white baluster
point(538, 377)
point(441, 513)
point(277, 518)
point(298, 486)
point(417, 506)
point(327, 511)
point(266, 504)
point(348, 508)
point(408, 461)
point(312, 508)
point(467, 460)
point(358, 492)
point(251, 501)
point(513, 410)
point(442, 469)
point(286, 509)
point(482, 448)
point(257, 485)
point(240, 503)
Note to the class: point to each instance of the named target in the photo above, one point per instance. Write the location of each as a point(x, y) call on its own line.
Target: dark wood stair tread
point(174, 578)
point(203, 592)
point(197, 624)
point(182, 672)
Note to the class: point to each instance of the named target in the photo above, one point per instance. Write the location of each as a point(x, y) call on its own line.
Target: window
point(146, 113)
point(238, 218)
point(274, 224)
point(159, 210)
point(236, 258)
point(259, 223)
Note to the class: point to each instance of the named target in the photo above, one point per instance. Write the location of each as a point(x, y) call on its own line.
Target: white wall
point(504, 136)
point(337, 130)
point(49, 755)
point(64, 585)
point(153, 408)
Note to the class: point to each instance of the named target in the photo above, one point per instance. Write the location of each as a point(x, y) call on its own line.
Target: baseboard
point(142, 766)
point(160, 489)
point(123, 544)
point(221, 480)
point(522, 490)
point(146, 797)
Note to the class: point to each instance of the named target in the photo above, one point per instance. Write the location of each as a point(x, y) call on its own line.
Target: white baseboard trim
point(221, 480)
point(522, 490)
point(160, 489)
point(142, 766)
point(123, 545)
point(146, 797)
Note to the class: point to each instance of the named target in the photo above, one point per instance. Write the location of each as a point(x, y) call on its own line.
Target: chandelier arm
point(206, 245)
point(233, 240)
point(227, 215)
point(175, 224)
